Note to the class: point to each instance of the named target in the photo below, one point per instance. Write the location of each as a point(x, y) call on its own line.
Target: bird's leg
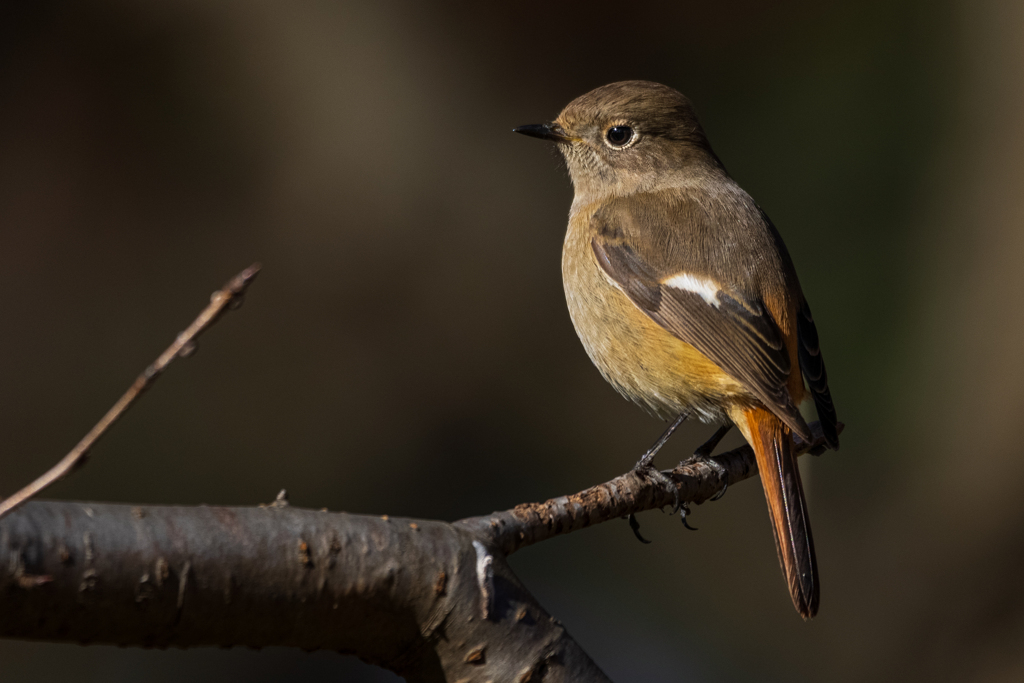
point(708, 447)
point(645, 467)
point(703, 455)
point(645, 462)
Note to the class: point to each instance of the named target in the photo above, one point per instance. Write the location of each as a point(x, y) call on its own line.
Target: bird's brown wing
point(735, 332)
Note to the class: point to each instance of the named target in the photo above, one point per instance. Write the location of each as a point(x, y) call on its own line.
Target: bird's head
point(627, 137)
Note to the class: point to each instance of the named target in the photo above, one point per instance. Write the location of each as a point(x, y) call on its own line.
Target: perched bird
point(684, 295)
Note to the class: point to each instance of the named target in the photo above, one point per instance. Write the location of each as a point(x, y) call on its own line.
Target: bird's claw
point(635, 526)
point(684, 510)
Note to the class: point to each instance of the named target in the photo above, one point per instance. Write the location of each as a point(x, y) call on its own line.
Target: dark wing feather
point(738, 335)
point(813, 367)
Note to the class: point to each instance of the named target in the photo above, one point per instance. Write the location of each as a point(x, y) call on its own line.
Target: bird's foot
point(645, 468)
point(702, 456)
point(699, 458)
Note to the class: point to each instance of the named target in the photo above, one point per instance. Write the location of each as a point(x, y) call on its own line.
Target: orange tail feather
point(780, 476)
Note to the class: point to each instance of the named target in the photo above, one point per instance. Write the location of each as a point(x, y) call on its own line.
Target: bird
point(685, 296)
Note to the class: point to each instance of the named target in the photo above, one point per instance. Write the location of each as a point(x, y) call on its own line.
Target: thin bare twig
point(183, 346)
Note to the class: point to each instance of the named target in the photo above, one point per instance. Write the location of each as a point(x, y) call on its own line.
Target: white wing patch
point(705, 288)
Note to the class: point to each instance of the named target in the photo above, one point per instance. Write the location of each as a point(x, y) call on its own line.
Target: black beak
point(544, 131)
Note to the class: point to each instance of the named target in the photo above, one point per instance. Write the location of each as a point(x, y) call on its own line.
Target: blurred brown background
point(407, 349)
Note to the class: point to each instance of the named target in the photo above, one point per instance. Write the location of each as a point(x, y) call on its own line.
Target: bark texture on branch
point(432, 601)
point(417, 597)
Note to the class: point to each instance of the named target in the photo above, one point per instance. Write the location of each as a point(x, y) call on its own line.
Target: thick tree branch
point(430, 600)
point(425, 599)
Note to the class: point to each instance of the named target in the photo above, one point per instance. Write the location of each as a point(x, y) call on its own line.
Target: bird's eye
point(619, 136)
